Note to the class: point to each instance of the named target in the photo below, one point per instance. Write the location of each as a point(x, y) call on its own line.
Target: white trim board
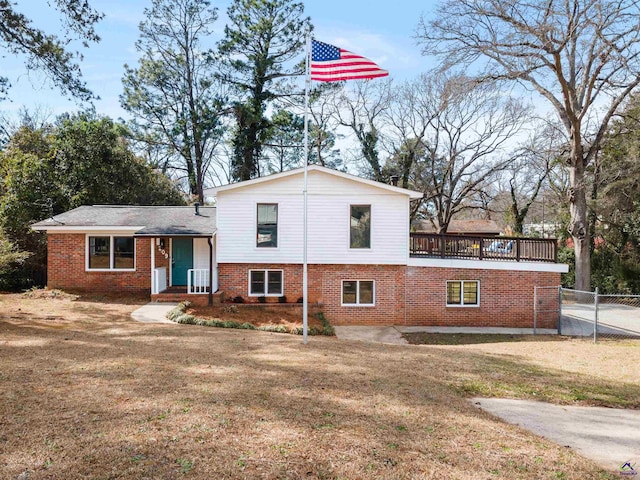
point(313, 168)
point(101, 228)
point(488, 265)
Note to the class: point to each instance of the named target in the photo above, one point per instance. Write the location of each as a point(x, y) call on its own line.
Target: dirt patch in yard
point(87, 393)
point(258, 315)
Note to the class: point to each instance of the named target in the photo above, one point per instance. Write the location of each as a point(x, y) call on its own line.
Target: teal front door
point(181, 260)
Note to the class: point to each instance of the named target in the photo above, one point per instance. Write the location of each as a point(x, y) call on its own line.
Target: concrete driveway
point(608, 436)
point(613, 319)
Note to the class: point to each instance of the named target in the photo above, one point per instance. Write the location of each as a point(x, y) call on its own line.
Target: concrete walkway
point(393, 334)
point(371, 334)
point(608, 436)
point(153, 313)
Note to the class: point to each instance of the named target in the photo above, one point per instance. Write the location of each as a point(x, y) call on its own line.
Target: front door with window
point(181, 260)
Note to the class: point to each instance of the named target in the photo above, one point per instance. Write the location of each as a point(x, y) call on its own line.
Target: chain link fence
point(591, 314)
point(546, 309)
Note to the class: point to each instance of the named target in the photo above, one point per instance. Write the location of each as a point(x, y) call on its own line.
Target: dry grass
point(87, 393)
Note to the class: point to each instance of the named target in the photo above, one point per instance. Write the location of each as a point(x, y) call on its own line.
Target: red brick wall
point(506, 297)
point(66, 267)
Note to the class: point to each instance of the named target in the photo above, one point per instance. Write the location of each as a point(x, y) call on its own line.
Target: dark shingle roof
point(152, 220)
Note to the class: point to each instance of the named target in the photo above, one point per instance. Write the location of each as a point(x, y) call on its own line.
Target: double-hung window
point(266, 283)
point(358, 292)
point(267, 225)
point(463, 293)
point(360, 226)
point(110, 252)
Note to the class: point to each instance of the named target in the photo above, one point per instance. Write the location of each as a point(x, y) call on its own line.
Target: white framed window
point(358, 293)
point(267, 225)
point(111, 252)
point(360, 226)
point(463, 293)
point(266, 283)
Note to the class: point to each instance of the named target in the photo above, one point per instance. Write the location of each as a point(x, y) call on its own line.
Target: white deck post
point(154, 287)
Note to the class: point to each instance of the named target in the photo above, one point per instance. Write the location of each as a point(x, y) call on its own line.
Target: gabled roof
point(144, 221)
point(414, 195)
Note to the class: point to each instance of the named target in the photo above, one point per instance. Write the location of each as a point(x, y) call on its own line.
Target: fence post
point(595, 323)
point(560, 310)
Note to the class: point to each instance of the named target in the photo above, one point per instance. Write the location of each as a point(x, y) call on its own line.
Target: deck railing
point(511, 249)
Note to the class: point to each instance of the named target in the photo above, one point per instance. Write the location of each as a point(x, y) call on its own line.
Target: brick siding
point(66, 267)
point(408, 295)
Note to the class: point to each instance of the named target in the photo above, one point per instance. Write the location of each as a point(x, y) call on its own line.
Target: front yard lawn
point(87, 393)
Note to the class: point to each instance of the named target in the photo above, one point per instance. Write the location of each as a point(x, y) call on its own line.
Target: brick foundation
point(506, 298)
point(403, 295)
point(409, 295)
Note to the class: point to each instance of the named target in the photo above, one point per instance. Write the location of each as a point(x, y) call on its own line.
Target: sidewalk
point(153, 313)
point(393, 335)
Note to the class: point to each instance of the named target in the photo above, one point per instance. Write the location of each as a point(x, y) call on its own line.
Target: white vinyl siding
point(201, 253)
point(329, 203)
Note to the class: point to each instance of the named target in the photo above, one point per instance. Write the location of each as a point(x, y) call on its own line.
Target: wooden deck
point(501, 249)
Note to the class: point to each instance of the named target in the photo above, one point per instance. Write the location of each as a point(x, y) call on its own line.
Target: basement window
point(358, 293)
point(463, 293)
point(266, 283)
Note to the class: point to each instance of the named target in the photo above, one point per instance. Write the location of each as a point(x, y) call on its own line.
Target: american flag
point(333, 64)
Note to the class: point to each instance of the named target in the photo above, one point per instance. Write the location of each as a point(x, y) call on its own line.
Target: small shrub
point(282, 299)
point(247, 326)
point(238, 299)
point(230, 309)
point(262, 299)
point(274, 328)
point(174, 313)
point(300, 300)
point(187, 319)
point(230, 324)
point(327, 329)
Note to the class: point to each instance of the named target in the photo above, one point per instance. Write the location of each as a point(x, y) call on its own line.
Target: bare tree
point(577, 54)
point(362, 110)
point(408, 118)
point(530, 170)
point(469, 127)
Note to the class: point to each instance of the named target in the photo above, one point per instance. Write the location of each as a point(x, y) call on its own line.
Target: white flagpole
point(305, 279)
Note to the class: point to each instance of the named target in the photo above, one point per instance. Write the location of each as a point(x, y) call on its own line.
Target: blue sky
point(369, 28)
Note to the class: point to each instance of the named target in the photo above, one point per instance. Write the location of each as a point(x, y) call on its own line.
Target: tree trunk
point(578, 227)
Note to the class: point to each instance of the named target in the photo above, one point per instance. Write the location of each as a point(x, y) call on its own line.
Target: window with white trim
point(463, 293)
point(358, 292)
point(266, 283)
point(111, 252)
point(360, 226)
point(267, 225)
